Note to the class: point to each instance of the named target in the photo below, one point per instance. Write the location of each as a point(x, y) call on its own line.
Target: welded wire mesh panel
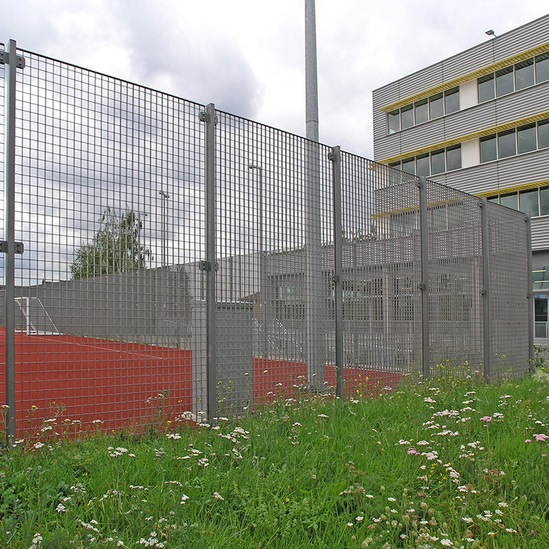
point(114, 326)
point(455, 278)
point(110, 207)
point(274, 233)
point(381, 303)
point(509, 287)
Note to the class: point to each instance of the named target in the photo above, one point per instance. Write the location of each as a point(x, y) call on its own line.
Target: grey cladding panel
point(540, 233)
point(515, 170)
point(510, 108)
point(475, 58)
point(524, 38)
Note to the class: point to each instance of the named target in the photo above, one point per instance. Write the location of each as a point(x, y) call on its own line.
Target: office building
point(479, 122)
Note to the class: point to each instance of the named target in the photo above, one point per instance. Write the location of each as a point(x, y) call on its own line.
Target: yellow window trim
point(463, 138)
point(538, 50)
point(515, 188)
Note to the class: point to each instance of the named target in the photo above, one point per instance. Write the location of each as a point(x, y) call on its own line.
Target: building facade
point(479, 122)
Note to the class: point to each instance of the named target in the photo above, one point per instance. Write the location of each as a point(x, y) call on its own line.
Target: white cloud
point(247, 57)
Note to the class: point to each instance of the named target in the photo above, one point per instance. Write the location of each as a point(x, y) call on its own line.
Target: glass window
point(485, 86)
point(408, 166)
point(529, 202)
point(494, 199)
point(488, 150)
point(451, 100)
point(544, 201)
point(504, 81)
point(507, 144)
point(435, 106)
point(438, 163)
point(406, 117)
point(393, 121)
point(542, 67)
point(524, 74)
point(422, 111)
point(509, 200)
point(526, 138)
point(453, 158)
point(395, 177)
point(422, 165)
point(543, 134)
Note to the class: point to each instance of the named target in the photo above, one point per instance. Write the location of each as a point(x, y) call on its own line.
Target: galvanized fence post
point(9, 246)
point(424, 284)
point(335, 157)
point(210, 118)
point(485, 237)
point(530, 294)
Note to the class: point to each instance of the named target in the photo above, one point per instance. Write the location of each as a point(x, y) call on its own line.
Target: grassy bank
point(449, 463)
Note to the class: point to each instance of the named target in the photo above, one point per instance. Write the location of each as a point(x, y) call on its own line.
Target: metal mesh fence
point(180, 262)
point(508, 289)
point(455, 270)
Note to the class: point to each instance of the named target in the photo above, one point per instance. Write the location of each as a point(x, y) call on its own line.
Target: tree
point(116, 248)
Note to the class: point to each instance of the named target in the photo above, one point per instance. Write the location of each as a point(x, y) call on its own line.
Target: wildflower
point(90, 526)
point(61, 508)
point(324, 416)
point(412, 452)
point(218, 496)
point(429, 400)
point(486, 419)
point(184, 499)
point(446, 542)
point(449, 433)
point(541, 437)
point(38, 445)
point(36, 541)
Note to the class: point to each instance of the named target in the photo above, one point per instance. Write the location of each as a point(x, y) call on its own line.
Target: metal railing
point(196, 263)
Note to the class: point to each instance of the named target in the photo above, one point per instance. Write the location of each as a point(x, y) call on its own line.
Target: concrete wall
point(150, 306)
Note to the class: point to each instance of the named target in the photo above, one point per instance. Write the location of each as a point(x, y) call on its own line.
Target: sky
point(247, 56)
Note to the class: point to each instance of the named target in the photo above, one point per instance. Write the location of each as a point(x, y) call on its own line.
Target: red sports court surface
point(82, 381)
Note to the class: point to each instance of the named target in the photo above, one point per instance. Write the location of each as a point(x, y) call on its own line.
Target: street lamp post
point(262, 287)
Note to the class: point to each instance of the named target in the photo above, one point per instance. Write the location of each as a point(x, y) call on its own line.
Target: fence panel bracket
point(5, 59)
point(19, 247)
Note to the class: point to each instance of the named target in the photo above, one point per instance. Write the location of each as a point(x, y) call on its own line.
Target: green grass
point(436, 464)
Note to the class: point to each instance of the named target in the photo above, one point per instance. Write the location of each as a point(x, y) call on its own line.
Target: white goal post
point(37, 321)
